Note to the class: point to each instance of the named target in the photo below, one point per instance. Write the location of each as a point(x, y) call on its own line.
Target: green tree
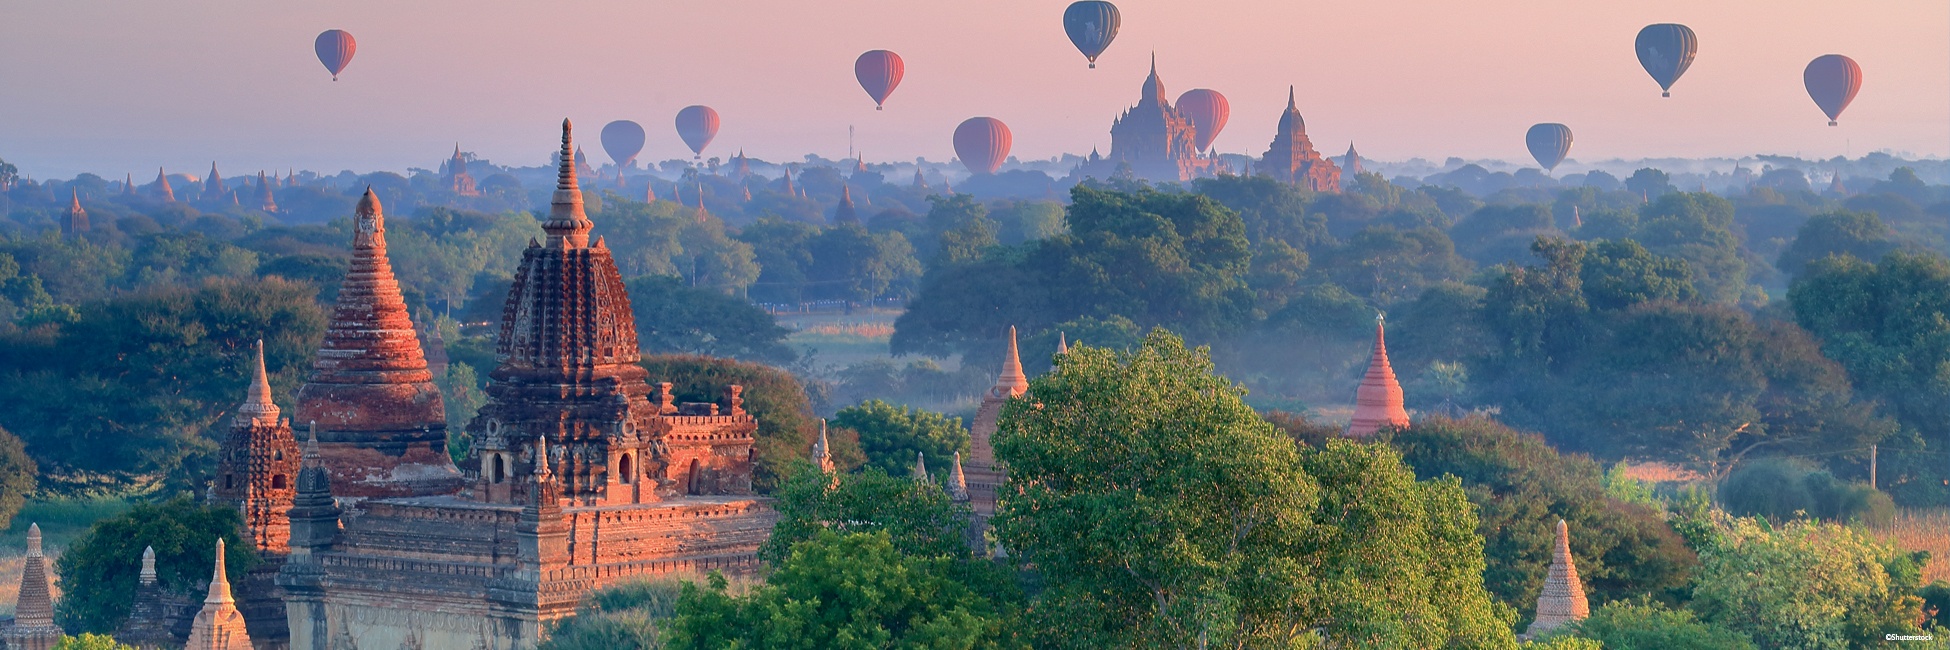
point(622, 616)
point(18, 477)
point(97, 570)
point(1859, 234)
point(674, 318)
point(1619, 274)
point(1384, 264)
point(137, 384)
point(891, 435)
point(846, 591)
point(89, 641)
point(1521, 488)
point(1160, 511)
point(1808, 585)
point(851, 264)
point(463, 394)
point(918, 518)
point(1651, 625)
point(1697, 228)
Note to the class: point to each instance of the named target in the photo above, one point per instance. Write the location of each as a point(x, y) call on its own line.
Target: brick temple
point(1152, 139)
point(1292, 159)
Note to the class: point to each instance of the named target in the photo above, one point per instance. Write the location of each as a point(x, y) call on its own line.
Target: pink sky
point(114, 87)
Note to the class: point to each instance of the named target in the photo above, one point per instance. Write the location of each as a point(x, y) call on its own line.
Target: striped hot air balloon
point(1091, 24)
point(335, 48)
point(1666, 50)
point(1549, 143)
point(1832, 80)
point(879, 72)
point(1208, 111)
point(982, 143)
point(697, 125)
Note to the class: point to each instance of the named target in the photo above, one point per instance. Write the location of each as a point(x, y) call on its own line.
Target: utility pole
point(1872, 467)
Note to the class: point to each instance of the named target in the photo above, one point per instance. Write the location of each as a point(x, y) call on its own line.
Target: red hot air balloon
point(1832, 80)
point(697, 125)
point(335, 48)
point(982, 143)
point(879, 72)
point(622, 140)
point(1208, 110)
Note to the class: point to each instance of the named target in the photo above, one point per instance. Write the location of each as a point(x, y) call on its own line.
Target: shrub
point(1650, 625)
point(1785, 488)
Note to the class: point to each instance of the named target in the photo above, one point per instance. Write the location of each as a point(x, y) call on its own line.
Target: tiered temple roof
point(257, 467)
point(382, 423)
point(33, 627)
point(1562, 600)
point(1378, 402)
point(1157, 141)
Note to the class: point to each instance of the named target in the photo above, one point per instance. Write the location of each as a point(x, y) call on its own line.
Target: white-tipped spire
point(219, 582)
point(148, 575)
point(258, 407)
point(822, 450)
point(1062, 343)
point(921, 467)
point(957, 482)
point(34, 540)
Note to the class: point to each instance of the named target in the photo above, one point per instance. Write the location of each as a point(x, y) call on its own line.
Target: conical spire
point(1836, 187)
point(788, 183)
point(567, 225)
point(650, 190)
point(1154, 88)
point(1012, 382)
point(1378, 402)
point(957, 482)
point(921, 467)
point(128, 184)
point(163, 191)
point(36, 605)
point(1562, 600)
point(258, 407)
point(1577, 219)
point(75, 221)
point(213, 185)
point(219, 582)
point(148, 575)
point(266, 200)
point(822, 450)
point(919, 180)
point(1062, 343)
point(845, 212)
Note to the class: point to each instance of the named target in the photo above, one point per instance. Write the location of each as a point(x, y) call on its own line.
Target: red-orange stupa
point(1378, 402)
point(382, 427)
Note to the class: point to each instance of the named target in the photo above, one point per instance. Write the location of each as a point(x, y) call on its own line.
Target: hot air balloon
point(1091, 25)
point(1832, 80)
point(1549, 142)
point(982, 143)
point(1208, 110)
point(335, 48)
point(879, 71)
point(697, 125)
point(1666, 50)
point(622, 140)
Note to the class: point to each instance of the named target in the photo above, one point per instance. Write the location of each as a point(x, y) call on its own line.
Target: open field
point(1921, 530)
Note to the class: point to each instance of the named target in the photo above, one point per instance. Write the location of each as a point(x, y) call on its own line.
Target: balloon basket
point(1665, 94)
point(877, 108)
point(1833, 123)
point(1093, 66)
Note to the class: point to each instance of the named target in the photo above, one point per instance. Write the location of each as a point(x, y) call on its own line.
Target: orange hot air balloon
point(335, 48)
point(879, 72)
point(982, 143)
point(1208, 110)
point(1832, 80)
point(697, 125)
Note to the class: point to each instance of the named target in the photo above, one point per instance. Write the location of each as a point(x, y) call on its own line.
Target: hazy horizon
point(104, 88)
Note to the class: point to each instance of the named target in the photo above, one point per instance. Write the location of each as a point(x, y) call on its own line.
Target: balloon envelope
point(697, 125)
point(1666, 50)
point(335, 48)
point(1832, 81)
point(1091, 25)
point(879, 71)
point(1208, 111)
point(982, 143)
point(622, 140)
point(1549, 143)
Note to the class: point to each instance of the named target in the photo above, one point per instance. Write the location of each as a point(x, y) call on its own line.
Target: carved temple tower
point(75, 220)
point(1292, 158)
point(1158, 142)
point(382, 424)
point(983, 475)
point(219, 626)
point(583, 474)
point(455, 175)
point(257, 467)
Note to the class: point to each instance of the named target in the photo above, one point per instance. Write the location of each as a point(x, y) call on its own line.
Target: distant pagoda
point(1378, 402)
point(1292, 158)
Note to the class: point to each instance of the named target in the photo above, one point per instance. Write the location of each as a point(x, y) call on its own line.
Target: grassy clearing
point(1921, 530)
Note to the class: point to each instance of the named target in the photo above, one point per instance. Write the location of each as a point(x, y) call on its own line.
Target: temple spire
point(921, 467)
point(567, 226)
point(845, 212)
point(148, 575)
point(1012, 382)
point(258, 407)
point(1378, 402)
point(1062, 343)
point(128, 184)
point(163, 190)
point(957, 482)
point(823, 450)
point(219, 582)
point(219, 626)
point(1562, 599)
point(33, 626)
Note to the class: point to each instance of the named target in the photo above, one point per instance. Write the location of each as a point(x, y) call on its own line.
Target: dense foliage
point(890, 436)
point(98, 569)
